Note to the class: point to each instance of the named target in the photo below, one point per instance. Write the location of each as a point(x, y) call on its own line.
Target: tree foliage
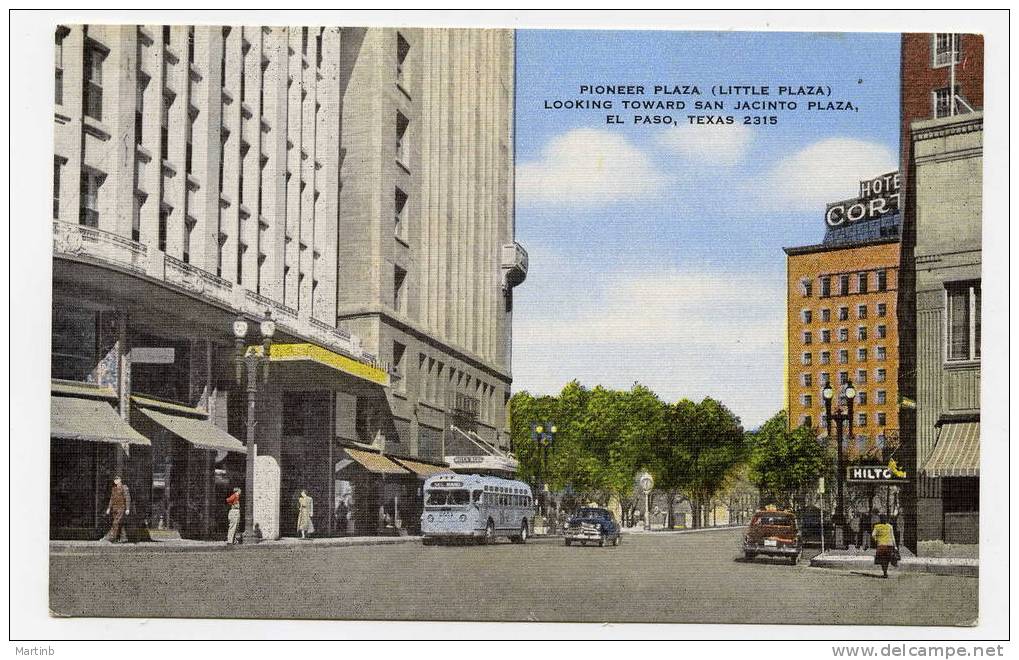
point(786, 464)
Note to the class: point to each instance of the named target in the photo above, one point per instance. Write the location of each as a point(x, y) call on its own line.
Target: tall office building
point(355, 183)
point(939, 292)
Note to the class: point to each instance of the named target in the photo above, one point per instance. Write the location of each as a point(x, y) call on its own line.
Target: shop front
point(955, 465)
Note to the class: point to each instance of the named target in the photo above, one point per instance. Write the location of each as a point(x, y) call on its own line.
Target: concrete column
point(68, 138)
point(174, 177)
point(151, 178)
point(274, 203)
point(328, 178)
point(207, 147)
point(230, 225)
point(251, 166)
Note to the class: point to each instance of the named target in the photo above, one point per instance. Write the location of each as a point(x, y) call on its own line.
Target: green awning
point(73, 418)
point(957, 452)
point(199, 432)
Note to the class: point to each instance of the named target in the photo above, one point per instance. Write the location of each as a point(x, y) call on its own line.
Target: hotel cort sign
point(878, 196)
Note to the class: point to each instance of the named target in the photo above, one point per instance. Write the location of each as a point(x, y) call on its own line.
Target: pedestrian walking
point(884, 539)
point(342, 511)
point(866, 525)
point(119, 507)
point(305, 510)
point(854, 529)
point(233, 516)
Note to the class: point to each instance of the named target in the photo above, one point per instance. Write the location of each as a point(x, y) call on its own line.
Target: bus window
point(458, 497)
point(436, 498)
point(477, 497)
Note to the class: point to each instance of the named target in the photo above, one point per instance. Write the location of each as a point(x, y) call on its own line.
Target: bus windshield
point(447, 498)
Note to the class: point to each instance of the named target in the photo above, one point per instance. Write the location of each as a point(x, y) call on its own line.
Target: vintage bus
point(476, 507)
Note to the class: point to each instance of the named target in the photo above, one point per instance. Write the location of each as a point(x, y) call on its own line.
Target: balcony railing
point(463, 405)
point(74, 239)
point(195, 279)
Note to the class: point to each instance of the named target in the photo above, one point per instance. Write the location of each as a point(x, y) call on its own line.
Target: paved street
point(696, 577)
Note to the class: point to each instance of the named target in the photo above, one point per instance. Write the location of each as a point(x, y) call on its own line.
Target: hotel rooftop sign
point(878, 196)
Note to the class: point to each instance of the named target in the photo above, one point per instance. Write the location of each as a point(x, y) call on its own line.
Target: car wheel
point(615, 541)
point(601, 542)
point(489, 537)
point(793, 560)
point(749, 555)
point(568, 541)
point(428, 540)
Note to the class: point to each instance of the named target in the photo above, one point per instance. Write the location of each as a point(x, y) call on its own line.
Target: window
point(807, 421)
point(881, 352)
point(826, 315)
point(861, 283)
point(807, 338)
point(402, 50)
point(58, 166)
point(94, 57)
point(881, 375)
point(91, 181)
point(401, 134)
point(164, 217)
point(963, 321)
point(164, 134)
point(825, 378)
point(807, 287)
point(399, 277)
point(882, 396)
point(882, 419)
point(241, 250)
point(806, 358)
point(189, 225)
point(882, 310)
point(400, 204)
point(139, 107)
point(861, 376)
point(58, 77)
point(843, 377)
point(861, 312)
point(136, 218)
point(808, 401)
point(825, 287)
point(882, 331)
point(861, 355)
point(843, 356)
point(844, 285)
point(807, 380)
point(861, 333)
point(945, 44)
point(861, 419)
point(826, 336)
point(825, 358)
point(166, 35)
point(191, 45)
point(843, 334)
point(398, 353)
point(882, 280)
point(861, 398)
point(843, 313)
point(304, 41)
point(807, 316)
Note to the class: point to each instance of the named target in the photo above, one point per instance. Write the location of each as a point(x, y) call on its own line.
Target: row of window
point(843, 334)
point(807, 379)
point(862, 353)
point(436, 378)
point(862, 282)
point(881, 398)
point(880, 419)
point(842, 313)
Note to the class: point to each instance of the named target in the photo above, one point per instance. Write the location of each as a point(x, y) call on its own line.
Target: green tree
point(786, 464)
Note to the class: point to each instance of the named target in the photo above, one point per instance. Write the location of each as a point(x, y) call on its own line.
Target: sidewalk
point(189, 545)
point(661, 530)
point(854, 559)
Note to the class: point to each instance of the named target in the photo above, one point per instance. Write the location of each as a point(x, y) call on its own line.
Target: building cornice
point(931, 129)
point(833, 247)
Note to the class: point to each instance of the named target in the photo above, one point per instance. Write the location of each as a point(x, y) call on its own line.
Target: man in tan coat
point(119, 506)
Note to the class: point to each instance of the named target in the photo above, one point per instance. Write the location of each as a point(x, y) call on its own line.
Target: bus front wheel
point(522, 536)
point(489, 533)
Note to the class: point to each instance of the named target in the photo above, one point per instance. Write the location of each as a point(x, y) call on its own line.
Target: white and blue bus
point(476, 507)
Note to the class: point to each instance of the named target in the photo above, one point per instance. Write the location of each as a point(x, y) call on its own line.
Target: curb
point(959, 568)
point(656, 532)
point(73, 547)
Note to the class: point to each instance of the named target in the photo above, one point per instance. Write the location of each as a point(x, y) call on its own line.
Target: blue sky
point(656, 252)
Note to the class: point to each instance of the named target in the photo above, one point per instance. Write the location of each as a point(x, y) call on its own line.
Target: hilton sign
point(874, 474)
point(878, 197)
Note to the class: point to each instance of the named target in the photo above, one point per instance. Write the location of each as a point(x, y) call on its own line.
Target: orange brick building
point(841, 321)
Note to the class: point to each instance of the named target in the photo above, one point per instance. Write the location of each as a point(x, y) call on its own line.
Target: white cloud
point(824, 172)
point(587, 167)
point(683, 333)
point(725, 144)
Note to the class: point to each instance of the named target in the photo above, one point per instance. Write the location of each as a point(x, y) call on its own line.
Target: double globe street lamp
point(840, 418)
point(253, 357)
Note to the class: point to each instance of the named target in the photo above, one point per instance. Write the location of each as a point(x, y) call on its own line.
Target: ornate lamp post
point(252, 359)
point(839, 417)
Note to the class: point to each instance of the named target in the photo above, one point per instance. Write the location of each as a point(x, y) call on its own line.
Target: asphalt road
point(665, 578)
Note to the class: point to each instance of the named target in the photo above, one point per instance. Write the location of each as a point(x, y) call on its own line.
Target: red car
point(773, 533)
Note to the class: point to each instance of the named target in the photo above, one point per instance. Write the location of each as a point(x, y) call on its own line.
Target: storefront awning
point(957, 453)
point(199, 432)
point(423, 470)
point(73, 418)
point(376, 463)
point(310, 353)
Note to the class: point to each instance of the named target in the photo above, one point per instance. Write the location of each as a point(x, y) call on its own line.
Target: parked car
point(592, 525)
point(810, 527)
point(773, 533)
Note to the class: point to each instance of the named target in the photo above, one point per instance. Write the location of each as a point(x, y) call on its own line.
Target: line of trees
point(696, 451)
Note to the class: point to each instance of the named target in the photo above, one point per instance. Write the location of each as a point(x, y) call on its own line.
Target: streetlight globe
point(268, 327)
point(539, 428)
point(553, 429)
point(850, 392)
point(240, 328)
point(827, 393)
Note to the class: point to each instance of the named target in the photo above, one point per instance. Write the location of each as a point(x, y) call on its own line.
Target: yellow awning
point(376, 463)
point(423, 470)
point(313, 353)
point(73, 418)
point(199, 432)
point(957, 452)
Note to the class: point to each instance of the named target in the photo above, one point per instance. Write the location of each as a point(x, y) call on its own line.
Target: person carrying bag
point(884, 539)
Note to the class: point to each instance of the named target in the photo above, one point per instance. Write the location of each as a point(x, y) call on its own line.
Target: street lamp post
point(250, 360)
point(839, 417)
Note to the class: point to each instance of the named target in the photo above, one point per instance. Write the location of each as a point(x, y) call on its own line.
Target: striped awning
point(957, 452)
point(199, 432)
point(376, 463)
point(423, 470)
point(73, 418)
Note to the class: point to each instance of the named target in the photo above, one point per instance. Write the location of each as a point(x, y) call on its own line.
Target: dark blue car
point(592, 525)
